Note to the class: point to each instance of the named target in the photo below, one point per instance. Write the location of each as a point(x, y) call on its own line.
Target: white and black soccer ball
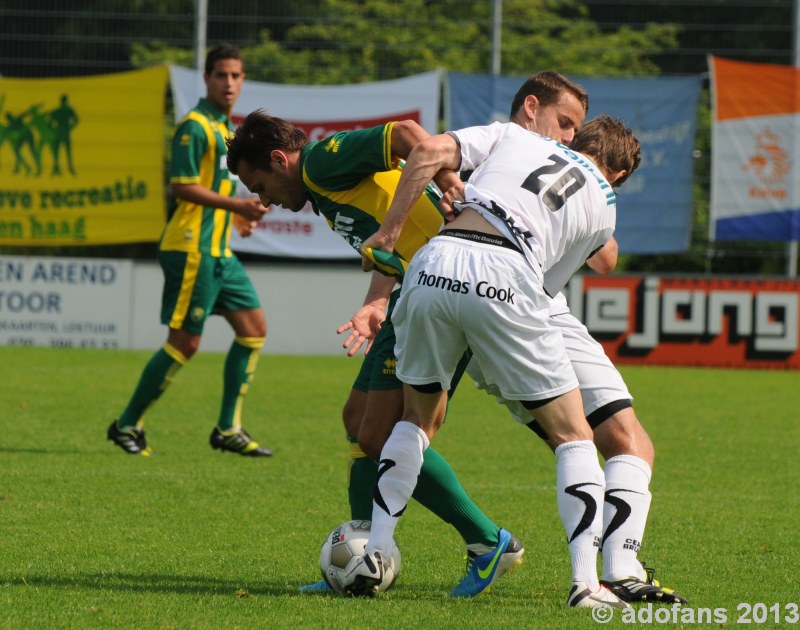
point(342, 548)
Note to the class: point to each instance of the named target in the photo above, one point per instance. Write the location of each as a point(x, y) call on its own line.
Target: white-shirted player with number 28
point(532, 206)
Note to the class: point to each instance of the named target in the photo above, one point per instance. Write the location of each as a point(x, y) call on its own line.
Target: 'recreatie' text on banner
point(755, 151)
point(82, 159)
point(704, 322)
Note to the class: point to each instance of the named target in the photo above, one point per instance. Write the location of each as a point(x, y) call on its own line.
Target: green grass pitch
point(192, 538)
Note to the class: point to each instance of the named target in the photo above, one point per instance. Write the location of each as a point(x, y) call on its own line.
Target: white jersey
point(552, 201)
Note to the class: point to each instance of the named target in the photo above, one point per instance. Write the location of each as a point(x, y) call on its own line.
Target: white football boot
point(581, 596)
point(365, 577)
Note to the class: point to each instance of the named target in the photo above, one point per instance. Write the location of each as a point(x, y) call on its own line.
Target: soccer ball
point(342, 548)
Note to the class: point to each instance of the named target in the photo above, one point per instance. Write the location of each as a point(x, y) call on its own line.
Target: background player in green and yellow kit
point(201, 274)
point(350, 179)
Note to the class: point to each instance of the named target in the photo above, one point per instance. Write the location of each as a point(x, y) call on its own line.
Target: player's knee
point(374, 431)
point(192, 346)
point(250, 323)
point(370, 444)
point(645, 448)
point(622, 434)
point(186, 344)
point(257, 327)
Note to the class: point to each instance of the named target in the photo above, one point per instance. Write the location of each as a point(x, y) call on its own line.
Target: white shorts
point(600, 382)
point(458, 293)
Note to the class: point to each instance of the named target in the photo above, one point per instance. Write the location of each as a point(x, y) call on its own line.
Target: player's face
point(560, 120)
point(276, 187)
point(224, 84)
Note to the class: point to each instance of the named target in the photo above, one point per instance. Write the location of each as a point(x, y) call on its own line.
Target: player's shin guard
point(580, 488)
point(627, 502)
point(240, 367)
point(401, 460)
point(156, 377)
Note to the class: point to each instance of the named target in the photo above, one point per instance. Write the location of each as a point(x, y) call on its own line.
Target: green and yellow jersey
point(199, 156)
point(351, 178)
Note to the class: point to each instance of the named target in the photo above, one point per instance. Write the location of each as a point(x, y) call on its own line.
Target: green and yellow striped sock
point(439, 490)
point(240, 367)
point(156, 377)
point(363, 473)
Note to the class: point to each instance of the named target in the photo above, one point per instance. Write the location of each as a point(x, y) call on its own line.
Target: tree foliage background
point(347, 41)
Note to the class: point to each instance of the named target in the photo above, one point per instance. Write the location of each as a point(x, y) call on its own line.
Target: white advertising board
point(65, 302)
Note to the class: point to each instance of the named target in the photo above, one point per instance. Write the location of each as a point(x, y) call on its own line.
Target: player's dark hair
point(548, 87)
point(220, 52)
point(258, 136)
point(610, 144)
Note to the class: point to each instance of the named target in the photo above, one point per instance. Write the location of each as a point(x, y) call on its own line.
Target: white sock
point(627, 503)
point(580, 486)
point(398, 470)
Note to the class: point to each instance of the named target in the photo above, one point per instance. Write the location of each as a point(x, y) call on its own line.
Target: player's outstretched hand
point(363, 326)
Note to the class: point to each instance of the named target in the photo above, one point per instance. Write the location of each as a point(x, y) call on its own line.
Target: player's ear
point(279, 158)
point(616, 176)
point(531, 104)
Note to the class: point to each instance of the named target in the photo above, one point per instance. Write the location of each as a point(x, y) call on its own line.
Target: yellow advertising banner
point(82, 159)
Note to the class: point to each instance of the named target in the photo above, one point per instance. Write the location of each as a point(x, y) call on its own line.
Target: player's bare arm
point(407, 134)
point(367, 320)
point(604, 261)
point(250, 208)
point(424, 162)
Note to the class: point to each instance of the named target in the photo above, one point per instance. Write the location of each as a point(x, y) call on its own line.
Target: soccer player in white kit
point(532, 206)
point(618, 435)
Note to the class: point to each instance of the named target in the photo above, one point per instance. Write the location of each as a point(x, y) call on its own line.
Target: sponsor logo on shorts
point(441, 282)
point(483, 289)
point(390, 366)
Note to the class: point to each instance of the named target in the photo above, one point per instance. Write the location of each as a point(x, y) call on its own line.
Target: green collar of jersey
point(309, 196)
point(213, 112)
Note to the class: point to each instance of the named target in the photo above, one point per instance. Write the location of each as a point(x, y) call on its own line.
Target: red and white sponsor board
point(319, 111)
point(725, 322)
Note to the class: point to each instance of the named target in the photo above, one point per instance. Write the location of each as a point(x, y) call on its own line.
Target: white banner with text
point(65, 302)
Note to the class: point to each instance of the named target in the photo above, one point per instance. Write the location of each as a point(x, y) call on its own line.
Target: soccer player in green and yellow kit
point(201, 275)
point(350, 179)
